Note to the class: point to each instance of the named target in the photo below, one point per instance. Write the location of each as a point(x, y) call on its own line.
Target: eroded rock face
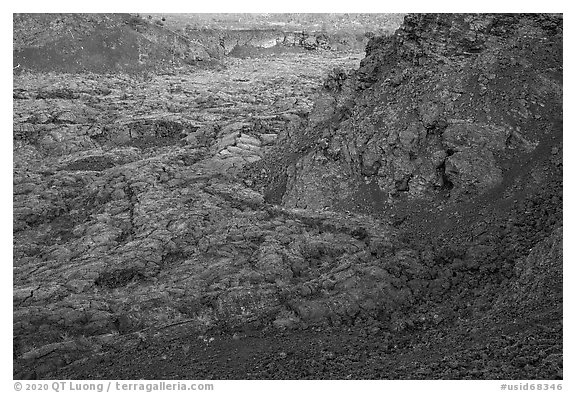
point(254, 42)
point(435, 110)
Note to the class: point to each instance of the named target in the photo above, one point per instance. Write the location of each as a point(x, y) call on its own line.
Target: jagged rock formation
point(434, 111)
point(253, 34)
point(241, 43)
point(452, 128)
point(234, 42)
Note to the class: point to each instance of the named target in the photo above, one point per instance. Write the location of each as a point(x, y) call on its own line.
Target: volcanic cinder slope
point(399, 220)
point(101, 43)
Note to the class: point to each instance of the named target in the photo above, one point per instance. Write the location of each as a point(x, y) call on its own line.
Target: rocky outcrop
point(435, 111)
point(452, 130)
point(243, 43)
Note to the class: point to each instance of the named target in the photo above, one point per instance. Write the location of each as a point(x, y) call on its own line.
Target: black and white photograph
point(219, 196)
